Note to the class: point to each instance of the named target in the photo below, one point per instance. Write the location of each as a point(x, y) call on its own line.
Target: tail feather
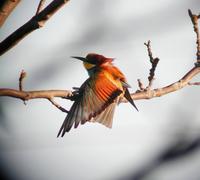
point(106, 117)
point(128, 97)
point(69, 120)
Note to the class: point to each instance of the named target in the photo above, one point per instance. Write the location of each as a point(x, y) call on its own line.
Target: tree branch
point(6, 7)
point(148, 94)
point(34, 23)
point(28, 95)
point(47, 94)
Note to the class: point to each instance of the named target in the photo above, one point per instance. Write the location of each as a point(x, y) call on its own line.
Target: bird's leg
point(76, 91)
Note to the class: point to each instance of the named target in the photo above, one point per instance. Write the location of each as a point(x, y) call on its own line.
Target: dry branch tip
point(140, 85)
point(154, 62)
point(194, 18)
point(21, 78)
point(194, 83)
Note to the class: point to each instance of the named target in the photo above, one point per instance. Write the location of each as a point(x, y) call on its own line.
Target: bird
point(98, 96)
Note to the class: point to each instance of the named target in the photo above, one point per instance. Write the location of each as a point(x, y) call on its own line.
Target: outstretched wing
point(96, 94)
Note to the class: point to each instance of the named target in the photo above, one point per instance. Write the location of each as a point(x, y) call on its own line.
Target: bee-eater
point(98, 95)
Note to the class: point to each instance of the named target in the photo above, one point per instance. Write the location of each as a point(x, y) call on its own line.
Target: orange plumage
point(98, 95)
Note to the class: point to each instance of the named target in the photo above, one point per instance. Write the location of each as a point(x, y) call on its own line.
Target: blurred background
point(132, 149)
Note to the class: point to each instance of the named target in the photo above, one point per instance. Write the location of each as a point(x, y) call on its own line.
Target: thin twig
point(194, 18)
point(58, 106)
point(154, 62)
point(194, 83)
point(34, 23)
point(148, 45)
point(40, 6)
point(140, 85)
point(21, 78)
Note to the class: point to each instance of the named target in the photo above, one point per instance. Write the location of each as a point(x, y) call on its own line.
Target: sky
point(29, 146)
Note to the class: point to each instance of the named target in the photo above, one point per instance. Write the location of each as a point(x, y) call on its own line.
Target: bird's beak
point(80, 58)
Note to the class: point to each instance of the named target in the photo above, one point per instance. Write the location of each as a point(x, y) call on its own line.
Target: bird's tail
point(128, 97)
point(106, 117)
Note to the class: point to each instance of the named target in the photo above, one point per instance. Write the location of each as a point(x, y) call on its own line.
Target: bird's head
point(93, 60)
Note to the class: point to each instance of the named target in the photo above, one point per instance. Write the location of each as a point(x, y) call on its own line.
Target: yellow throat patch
point(88, 65)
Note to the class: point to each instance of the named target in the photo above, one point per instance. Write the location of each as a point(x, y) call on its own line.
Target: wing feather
point(95, 95)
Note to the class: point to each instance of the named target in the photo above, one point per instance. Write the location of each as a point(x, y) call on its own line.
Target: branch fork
point(49, 95)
